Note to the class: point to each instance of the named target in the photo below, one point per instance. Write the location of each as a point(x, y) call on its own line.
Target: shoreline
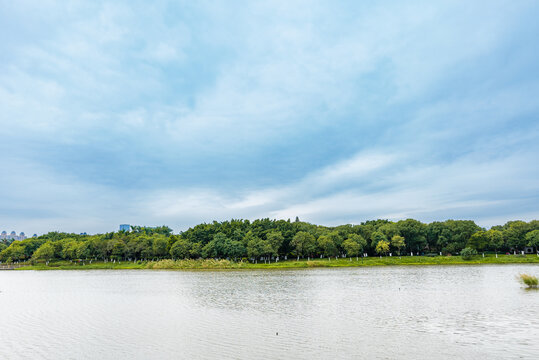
point(211, 264)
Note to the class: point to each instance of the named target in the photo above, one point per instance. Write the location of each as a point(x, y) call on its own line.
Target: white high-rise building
point(12, 236)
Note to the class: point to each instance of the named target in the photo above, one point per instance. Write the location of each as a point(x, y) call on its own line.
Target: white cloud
point(464, 188)
point(275, 71)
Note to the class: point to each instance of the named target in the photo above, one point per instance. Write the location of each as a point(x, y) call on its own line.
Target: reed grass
point(528, 280)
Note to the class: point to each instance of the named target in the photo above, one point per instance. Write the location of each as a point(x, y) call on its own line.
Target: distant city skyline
point(12, 236)
point(181, 113)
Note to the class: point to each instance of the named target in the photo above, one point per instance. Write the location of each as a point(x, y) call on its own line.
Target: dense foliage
point(265, 238)
point(468, 253)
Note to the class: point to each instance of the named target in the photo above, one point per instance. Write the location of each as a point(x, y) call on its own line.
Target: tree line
point(269, 239)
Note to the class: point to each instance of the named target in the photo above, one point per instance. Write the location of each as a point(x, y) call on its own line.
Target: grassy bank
point(289, 264)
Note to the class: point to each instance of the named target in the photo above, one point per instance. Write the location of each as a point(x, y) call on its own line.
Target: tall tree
point(414, 232)
point(478, 240)
point(376, 237)
point(397, 242)
point(275, 239)
point(382, 247)
point(181, 249)
point(303, 243)
point(257, 247)
point(160, 247)
point(44, 252)
point(532, 239)
point(360, 240)
point(351, 247)
point(515, 234)
point(495, 239)
point(327, 246)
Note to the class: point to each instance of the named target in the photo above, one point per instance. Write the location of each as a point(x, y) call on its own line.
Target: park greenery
point(222, 264)
point(270, 241)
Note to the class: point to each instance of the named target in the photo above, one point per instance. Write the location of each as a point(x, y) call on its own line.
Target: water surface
point(435, 312)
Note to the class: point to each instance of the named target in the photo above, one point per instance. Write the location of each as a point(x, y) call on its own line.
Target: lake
point(436, 312)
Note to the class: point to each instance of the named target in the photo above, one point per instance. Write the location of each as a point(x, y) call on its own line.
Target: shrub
point(468, 253)
point(528, 280)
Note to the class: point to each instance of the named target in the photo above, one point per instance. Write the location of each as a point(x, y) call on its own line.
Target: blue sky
point(185, 112)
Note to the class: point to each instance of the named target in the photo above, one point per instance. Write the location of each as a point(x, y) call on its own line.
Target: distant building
point(125, 227)
point(35, 235)
point(83, 233)
point(12, 236)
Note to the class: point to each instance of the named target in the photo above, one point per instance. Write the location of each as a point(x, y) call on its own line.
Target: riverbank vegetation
point(212, 264)
point(272, 241)
point(528, 280)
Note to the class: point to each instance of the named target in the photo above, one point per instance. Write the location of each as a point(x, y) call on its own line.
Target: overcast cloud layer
point(179, 113)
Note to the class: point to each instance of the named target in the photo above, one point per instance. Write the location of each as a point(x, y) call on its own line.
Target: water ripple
point(376, 313)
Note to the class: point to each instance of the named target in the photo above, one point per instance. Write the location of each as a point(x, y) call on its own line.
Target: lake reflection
point(452, 312)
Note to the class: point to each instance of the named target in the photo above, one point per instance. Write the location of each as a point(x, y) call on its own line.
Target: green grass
point(528, 280)
point(211, 264)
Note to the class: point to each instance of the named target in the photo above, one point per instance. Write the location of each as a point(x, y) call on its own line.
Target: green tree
point(351, 247)
point(360, 240)
point(532, 238)
point(235, 249)
point(117, 248)
point(495, 239)
point(515, 234)
point(209, 250)
point(257, 247)
point(275, 239)
point(382, 247)
point(376, 237)
point(468, 253)
point(248, 237)
point(397, 242)
point(181, 249)
point(327, 246)
point(337, 239)
point(44, 252)
point(99, 245)
point(478, 240)
point(389, 230)
point(196, 250)
point(16, 251)
point(160, 245)
point(69, 250)
point(303, 243)
point(84, 251)
point(415, 234)
point(218, 245)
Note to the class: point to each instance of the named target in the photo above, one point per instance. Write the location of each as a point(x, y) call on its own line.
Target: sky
point(184, 112)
